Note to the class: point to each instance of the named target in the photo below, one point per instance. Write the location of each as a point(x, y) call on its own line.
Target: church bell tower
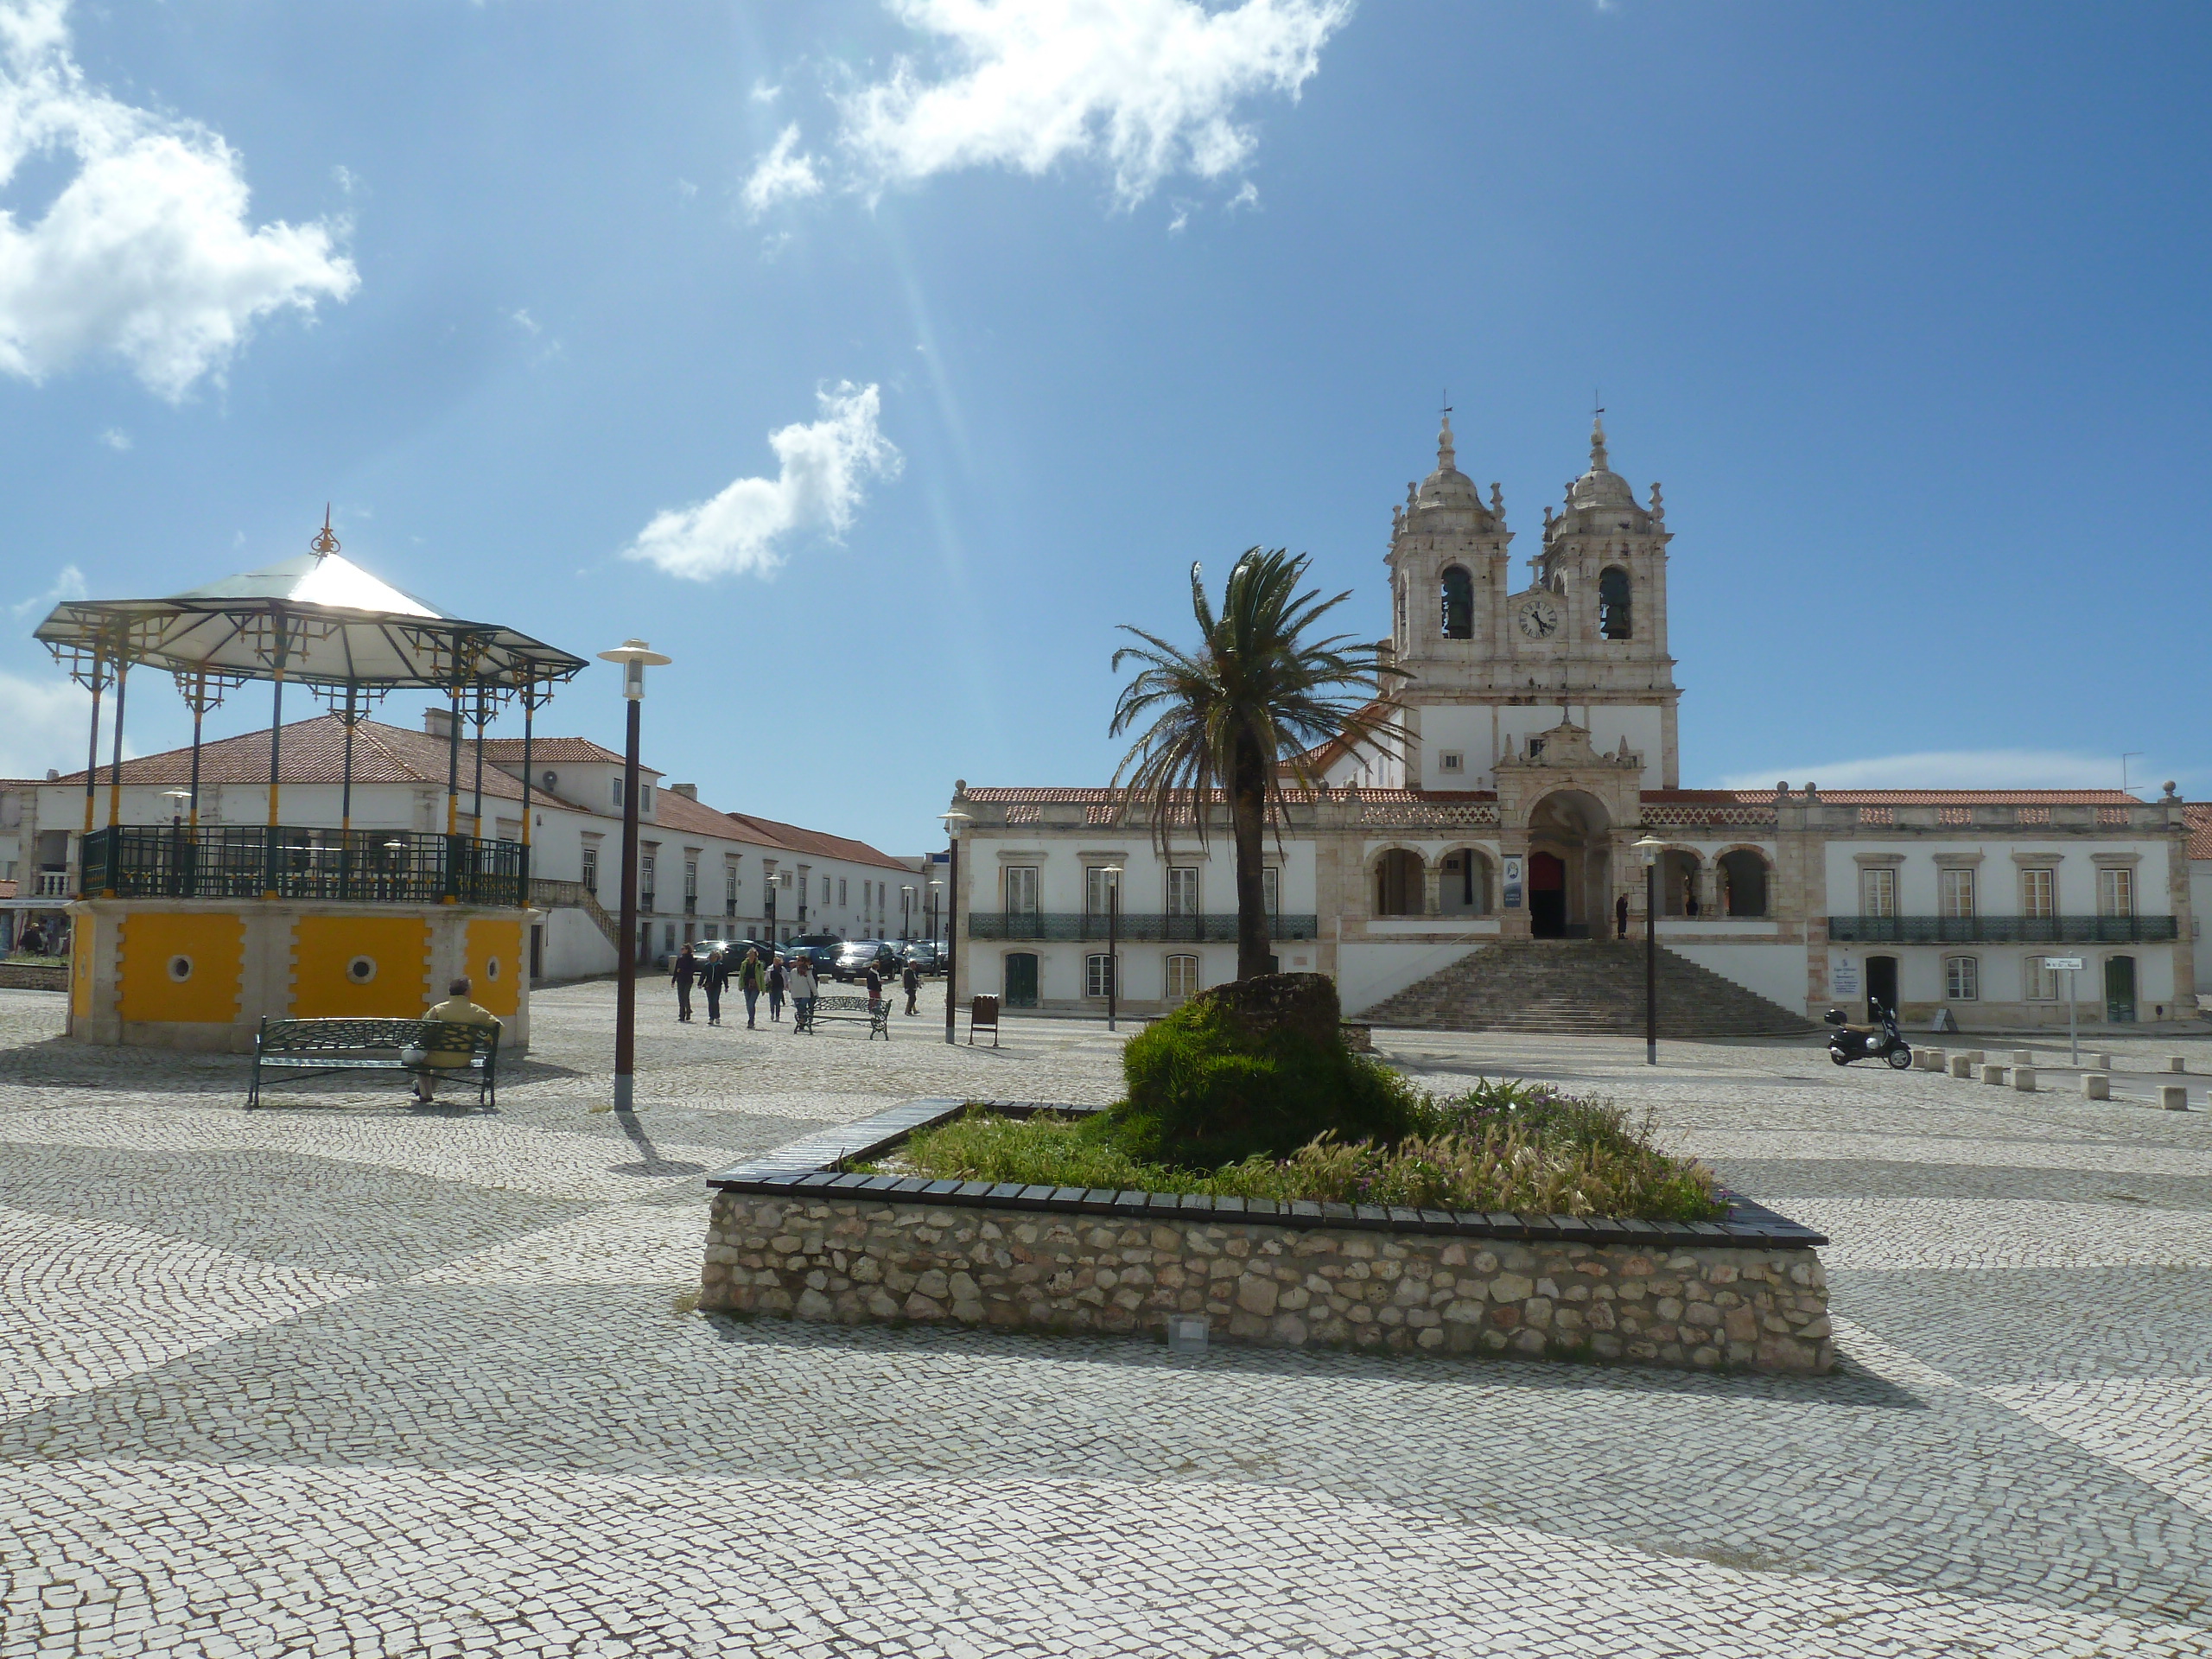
point(1492, 666)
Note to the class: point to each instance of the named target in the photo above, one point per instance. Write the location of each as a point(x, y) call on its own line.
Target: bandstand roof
point(319, 616)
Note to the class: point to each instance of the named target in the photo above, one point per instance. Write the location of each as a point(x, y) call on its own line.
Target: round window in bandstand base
point(361, 970)
point(492, 968)
point(180, 968)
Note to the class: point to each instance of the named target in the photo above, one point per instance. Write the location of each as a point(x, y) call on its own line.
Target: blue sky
point(875, 360)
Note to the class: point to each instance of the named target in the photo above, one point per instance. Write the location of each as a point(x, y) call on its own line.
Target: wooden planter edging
point(810, 1169)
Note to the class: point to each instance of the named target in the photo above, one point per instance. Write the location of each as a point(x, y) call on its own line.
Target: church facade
point(1542, 713)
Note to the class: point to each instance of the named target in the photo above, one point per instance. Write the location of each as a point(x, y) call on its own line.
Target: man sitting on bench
point(455, 1010)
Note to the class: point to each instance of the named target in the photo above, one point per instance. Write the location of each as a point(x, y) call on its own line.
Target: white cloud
point(783, 174)
point(1954, 769)
point(68, 583)
point(1151, 88)
point(524, 321)
point(822, 466)
point(43, 723)
point(764, 93)
point(116, 439)
point(147, 252)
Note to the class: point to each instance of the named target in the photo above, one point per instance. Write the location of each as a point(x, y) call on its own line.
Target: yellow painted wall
point(151, 939)
point(323, 945)
point(500, 942)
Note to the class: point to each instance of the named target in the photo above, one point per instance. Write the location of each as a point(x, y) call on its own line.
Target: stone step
point(1583, 985)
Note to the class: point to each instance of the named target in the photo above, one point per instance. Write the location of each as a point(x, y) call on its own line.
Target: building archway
point(1678, 874)
point(1466, 888)
point(1399, 887)
point(1743, 876)
point(1570, 841)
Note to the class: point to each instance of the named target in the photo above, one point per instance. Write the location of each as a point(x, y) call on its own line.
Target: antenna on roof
point(2133, 755)
point(326, 543)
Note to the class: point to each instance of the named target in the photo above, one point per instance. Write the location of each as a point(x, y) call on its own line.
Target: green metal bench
point(878, 1019)
point(320, 1047)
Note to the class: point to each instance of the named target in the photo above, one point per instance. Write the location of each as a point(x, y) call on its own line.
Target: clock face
point(1539, 618)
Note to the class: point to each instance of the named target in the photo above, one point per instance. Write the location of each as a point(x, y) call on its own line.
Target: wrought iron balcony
point(1135, 927)
point(356, 866)
point(2002, 930)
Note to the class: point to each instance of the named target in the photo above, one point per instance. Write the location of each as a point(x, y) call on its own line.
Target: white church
point(1488, 876)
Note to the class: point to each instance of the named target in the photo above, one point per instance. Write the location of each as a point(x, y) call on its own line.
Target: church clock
point(1539, 618)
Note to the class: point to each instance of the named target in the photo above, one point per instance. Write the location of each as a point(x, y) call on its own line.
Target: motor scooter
point(1881, 1042)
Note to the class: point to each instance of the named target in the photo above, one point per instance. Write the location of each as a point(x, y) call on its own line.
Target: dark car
point(823, 956)
point(925, 955)
point(854, 960)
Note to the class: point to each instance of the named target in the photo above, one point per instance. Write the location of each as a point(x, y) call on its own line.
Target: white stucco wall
point(1775, 971)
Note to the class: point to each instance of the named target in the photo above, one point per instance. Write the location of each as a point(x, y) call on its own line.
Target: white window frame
point(1183, 890)
point(1095, 885)
point(1018, 889)
point(1878, 893)
point(1182, 975)
point(2037, 982)
point(2116, 891)
point(1962, 979)
point(1954, 893)
point(1095, 973)
point(591, 867)
point(2039, 892)
point(1271, 890)
point(1450, 760)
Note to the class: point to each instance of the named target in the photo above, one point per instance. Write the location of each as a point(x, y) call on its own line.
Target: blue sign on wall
point(1512, 884)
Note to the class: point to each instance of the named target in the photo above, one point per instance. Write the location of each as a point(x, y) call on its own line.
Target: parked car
point(925, 955)
point(854, 960)
point(823, 956)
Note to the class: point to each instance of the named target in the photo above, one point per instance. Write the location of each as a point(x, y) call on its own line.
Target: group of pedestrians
point(778, 977)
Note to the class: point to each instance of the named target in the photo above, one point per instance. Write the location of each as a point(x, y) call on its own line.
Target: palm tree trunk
point(1248, 804)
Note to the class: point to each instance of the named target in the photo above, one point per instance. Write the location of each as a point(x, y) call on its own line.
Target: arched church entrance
point(1569, 864)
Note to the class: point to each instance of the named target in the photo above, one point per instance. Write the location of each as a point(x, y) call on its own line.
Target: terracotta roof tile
point(314, 752)
point(2198, 815)
point(814, 842)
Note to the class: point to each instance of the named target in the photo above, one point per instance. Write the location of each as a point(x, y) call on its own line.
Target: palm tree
point(1243, 712)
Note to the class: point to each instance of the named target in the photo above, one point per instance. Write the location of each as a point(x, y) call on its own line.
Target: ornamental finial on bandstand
point(326, 540)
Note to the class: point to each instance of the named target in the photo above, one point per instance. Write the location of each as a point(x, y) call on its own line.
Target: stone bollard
point(1961, 1066)
point(2024, 1057)
point(2174, 1097)
point(1975, 1057)
point(2176, 1062)
point(1995, 1074)
point(2104, 1062)
point(2024, 1078)
point(2096, 1085)
point(1928, 1059)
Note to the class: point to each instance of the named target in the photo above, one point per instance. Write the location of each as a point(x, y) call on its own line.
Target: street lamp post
point(1113, 873)
point(1649, 849)
point(936, 887)
point(634, 655)
point(954, 821)
point(773, 880)
point(906, 910)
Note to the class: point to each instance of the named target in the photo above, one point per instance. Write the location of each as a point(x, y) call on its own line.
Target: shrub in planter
point(1256, 1068)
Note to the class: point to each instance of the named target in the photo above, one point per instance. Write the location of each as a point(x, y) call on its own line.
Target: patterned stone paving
point(345, 1378)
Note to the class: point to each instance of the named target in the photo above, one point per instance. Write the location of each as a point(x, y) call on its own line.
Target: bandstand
point(184, 936)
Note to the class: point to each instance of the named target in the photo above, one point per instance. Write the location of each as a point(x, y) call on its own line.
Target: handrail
point(1134, 927)
point(2002, 930)
point(353, 866)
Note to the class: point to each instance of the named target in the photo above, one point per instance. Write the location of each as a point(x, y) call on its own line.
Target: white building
point(1543, 715)
point(703, 873)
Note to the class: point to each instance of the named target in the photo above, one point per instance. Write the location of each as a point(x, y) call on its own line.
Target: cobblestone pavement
point(343, 1377)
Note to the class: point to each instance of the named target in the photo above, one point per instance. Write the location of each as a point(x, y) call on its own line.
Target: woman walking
point(714, 978)
point(752, 979)
point(683, 971)
point(776, 982)
point(804, 992)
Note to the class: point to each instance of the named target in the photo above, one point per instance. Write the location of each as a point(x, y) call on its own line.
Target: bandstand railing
point(355, 867)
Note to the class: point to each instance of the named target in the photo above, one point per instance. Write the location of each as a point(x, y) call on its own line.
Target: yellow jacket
point(456, 1011)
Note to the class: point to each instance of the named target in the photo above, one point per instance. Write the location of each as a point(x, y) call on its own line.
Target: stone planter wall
point(792, 1237)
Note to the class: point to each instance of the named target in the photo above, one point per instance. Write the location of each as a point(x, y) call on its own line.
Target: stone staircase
point(1582, 986)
